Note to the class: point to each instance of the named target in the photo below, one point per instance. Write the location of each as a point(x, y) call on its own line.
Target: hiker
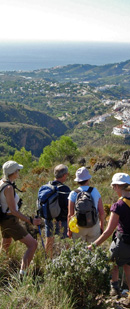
point(87, 234)
point(58, 226)
point(10, 225)
point(119, 220)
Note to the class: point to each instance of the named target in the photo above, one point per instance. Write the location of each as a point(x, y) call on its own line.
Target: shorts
point(88, 234)
point(120, 252)
point(56, 228)
point(11, 228)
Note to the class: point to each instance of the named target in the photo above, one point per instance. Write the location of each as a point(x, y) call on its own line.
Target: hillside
point(23, 127)
point(39, 286)
point(81, 73)
point(40, 106)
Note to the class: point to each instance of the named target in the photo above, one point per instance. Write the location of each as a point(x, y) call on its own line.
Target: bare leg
point(31, 244)
point(6, 242)
point(115, 289)
point(127, 274)
point(115, 273)
point(49, 246)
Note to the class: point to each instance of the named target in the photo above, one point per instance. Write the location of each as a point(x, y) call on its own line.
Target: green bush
point(24, 157)
point(83, 274)
point(59, 151)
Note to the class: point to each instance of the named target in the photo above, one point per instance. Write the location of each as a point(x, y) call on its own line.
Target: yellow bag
point(73, 225)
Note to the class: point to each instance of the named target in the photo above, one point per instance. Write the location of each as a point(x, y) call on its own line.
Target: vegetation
point(75, 271)
point(60, 151)
point(66, 282)
point(49, 117)
point(38, 107)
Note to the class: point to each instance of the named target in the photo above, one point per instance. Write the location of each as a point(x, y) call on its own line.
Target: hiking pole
point(39, 229)
point(122, 279)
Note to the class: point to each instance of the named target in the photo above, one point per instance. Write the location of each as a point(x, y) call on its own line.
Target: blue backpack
point(48, 201)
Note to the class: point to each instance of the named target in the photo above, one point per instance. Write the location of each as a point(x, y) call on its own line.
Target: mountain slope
point(80, 72)
point(23, 127)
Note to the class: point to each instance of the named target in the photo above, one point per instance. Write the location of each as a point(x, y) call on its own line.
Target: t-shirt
point(4, 202)
point(63, 200)
point(95, 195)
point(123, 211)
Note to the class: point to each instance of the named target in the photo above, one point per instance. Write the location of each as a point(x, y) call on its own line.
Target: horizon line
point(60, 41)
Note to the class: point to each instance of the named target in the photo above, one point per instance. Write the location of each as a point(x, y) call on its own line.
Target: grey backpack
point(85, 209)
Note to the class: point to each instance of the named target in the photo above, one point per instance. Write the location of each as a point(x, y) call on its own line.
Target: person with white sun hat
point(119, 226)
point(11, 228)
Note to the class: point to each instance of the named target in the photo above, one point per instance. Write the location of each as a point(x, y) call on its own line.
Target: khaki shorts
point(11, 228)
point(88, 234)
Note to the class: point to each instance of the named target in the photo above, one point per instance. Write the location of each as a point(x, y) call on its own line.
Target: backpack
point(85, 209)
point(3, 215)
point(48, 202)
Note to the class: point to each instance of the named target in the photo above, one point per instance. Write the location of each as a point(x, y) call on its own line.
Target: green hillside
point(23, 127)
point(81, 72)
point(41, 287)
point(40, 106)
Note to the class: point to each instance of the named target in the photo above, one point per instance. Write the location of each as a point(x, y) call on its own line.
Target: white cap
point(120, 179)
point(11, 167)
point(82, 174)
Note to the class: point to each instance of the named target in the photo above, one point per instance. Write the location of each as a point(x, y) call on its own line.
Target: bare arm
point(112, 224)
point(9, 194)
point(101, 214)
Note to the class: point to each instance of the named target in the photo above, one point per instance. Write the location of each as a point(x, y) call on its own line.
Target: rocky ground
point(121, 303)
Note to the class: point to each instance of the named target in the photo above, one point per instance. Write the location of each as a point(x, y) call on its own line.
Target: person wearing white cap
point(120, 223)
point(88, 234)
point(10, 226)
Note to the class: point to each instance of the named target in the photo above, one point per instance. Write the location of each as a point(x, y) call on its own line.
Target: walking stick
point(122, 279)
point(39, 229)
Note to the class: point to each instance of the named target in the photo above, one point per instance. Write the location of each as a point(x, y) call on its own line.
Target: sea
point(29, 56)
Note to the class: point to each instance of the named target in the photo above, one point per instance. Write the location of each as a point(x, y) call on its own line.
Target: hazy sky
point(65, 20)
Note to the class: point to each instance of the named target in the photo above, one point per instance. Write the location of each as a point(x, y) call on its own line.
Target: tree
point(24, 157)
point(58, 151)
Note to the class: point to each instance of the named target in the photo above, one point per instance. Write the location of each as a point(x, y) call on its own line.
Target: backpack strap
point(77, 191)
point(58, 185)
point(14, 187)
point(125, 200)
point(12, 184)
point(4, 186)
point(90, 189)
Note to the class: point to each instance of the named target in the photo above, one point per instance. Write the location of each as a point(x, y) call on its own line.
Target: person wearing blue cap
point(89, 234)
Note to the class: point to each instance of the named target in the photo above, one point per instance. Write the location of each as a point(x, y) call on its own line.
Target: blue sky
point(65, 20)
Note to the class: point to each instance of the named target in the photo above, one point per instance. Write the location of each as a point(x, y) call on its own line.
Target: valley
point(83, 101)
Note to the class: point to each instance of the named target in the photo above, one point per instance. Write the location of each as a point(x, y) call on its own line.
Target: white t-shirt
point(95, 195)
point(3, 199)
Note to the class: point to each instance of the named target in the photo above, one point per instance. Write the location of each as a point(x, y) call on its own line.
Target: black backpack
point(85, 209)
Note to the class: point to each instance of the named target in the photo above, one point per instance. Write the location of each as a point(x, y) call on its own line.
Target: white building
point(121, 130)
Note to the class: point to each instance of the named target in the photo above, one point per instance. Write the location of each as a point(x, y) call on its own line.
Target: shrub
point(58, 151)
point(24, 157)
point(82, 273)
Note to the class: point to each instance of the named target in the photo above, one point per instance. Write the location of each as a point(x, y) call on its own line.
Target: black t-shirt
point(63, 199)
point(123, 211)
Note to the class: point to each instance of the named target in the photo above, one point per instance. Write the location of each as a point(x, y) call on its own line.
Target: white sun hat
point(120, 179)
point(11, 167)
point(82, 174)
